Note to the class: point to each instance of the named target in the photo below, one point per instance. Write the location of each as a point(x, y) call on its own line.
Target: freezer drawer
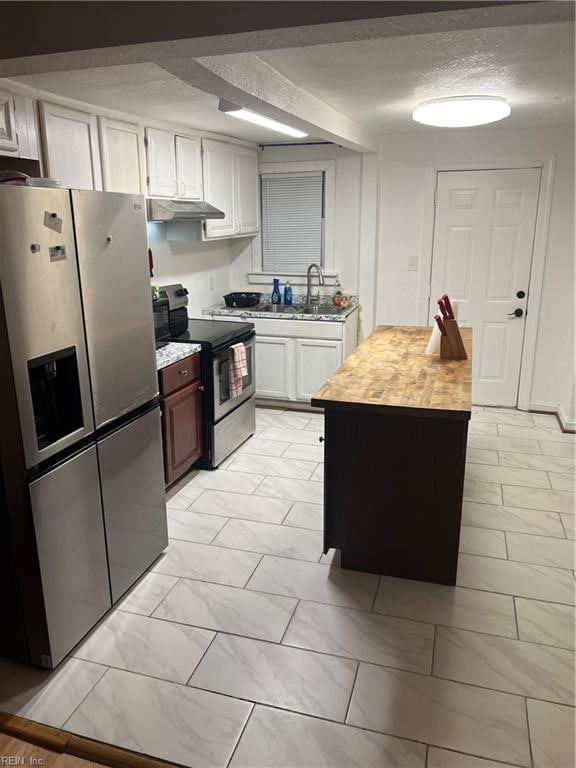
point(132, 477)
point(69, 530)
point(115, 279)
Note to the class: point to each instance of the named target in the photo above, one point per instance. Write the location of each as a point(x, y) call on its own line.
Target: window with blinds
point(292, 221)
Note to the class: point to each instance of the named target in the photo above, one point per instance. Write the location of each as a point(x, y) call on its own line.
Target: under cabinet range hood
point(160, 209)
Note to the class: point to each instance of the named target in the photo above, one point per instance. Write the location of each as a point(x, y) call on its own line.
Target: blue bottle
point(276, 298)
point(288, 294)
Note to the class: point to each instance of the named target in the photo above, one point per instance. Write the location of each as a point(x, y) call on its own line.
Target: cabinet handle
point(320, 439)
point(183, 372)
point(182, 189)
point(201, 388)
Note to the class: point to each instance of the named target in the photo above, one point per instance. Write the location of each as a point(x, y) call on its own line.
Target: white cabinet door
point(189, 168)
point(122, 156)
point(26, 129)
point(316, 361)
point(247, 197)
point(8, 142)
point(161, 163)
point(219, 187)
point(71, 143)
point(275, 367)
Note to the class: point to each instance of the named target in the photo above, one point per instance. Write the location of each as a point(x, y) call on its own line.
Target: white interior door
point(483, 240)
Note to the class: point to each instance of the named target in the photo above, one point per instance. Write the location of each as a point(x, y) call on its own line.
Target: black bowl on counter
point(242, 300)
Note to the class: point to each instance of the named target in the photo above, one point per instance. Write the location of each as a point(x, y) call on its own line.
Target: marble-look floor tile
point(536, 433)
point(441, 713)
point(145, 596)
point(562, 481)
point(520, 579)
point(482, 541)
point(362, 636)
point(452, 606)
point(190, 526)
point(569, 525)
point(165, 720)
point(501, 416)
point(289, 678)
point(303, 515)
point(224, 480)
point(313, 581)
point(538, 498)
point(260, 447)
point(559, 553)
point(480, 428)
point(512, 519)
point(243, 506)
point(270, 539)
point(546, 623)
point(510, 475)
point(182, 499)
point(207, 563)
point(147, 646)
point(227, 609)
point(296, 490)
point(318, 473)
point(502, 664)
point(485, 493)
point(316, 422)
point(272, 465)
point(283, 419)
point(546, 420)
point(551, 734)
point(486, 442)
point(551, 448)
point(534, 461)
point(46, 697)
point(274, 738)
point(305, 452)
point(481, 456)
point(298, 436)
point(442, 758)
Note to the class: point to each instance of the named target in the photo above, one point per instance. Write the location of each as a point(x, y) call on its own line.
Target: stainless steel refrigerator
point(82, 510)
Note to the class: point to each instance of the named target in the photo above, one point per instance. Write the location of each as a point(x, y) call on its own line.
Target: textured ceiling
point(150, 91)
point(379, 82)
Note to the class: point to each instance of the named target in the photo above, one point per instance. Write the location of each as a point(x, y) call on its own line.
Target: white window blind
point(292, 221)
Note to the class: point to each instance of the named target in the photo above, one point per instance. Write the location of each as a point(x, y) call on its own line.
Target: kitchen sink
point(299, 309)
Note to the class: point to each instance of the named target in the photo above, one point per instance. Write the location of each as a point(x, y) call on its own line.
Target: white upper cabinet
point(161, 163)
point(122, 156)
point(26, 129)
point(219, 187)
point(189, 168)
point(71, 143)
point(247, 198)
point(8, 142)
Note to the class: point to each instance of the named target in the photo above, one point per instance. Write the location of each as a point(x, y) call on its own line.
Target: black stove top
point(213, 333)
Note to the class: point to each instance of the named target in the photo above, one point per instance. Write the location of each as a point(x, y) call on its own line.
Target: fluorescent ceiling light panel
point(254, 117)
point(461, 111)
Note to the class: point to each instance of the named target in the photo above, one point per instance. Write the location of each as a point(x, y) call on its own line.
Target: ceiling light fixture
point(254, 117)
point(461, 111)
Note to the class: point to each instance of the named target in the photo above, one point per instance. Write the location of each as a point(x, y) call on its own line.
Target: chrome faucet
point(309, 281)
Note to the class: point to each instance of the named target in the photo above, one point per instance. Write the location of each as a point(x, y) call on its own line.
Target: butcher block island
point(396, 424)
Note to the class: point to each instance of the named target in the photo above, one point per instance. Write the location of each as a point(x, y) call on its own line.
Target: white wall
point(404, 211)
point(202, 267)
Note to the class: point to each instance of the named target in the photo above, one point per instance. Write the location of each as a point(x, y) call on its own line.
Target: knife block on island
point(451, 345)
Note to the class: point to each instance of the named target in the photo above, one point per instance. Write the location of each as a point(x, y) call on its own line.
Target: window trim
point(329, 169)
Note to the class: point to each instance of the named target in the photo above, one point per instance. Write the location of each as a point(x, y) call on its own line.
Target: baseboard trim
point(566, 424)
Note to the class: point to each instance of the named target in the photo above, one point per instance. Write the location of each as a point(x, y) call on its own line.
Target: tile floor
point(246, 647)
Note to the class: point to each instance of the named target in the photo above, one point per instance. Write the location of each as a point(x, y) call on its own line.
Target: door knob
point(517, 313)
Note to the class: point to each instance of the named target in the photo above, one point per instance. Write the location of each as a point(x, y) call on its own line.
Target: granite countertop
point(390, 370)
point(220, 310)
point(173, 352)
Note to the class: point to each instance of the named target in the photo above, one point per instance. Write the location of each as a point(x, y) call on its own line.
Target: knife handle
point(443, 309)
point(448, 306)
point(440, 324)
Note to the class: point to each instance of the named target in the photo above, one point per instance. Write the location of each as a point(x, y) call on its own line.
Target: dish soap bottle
point(337, 297)
point(276, 298)
point(288, 294)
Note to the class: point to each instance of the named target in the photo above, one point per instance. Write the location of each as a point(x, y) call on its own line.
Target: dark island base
point(393, 491)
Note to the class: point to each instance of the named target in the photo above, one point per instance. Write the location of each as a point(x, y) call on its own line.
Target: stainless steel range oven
point(227, 421)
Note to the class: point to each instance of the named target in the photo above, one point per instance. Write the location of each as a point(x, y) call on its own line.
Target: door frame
point(547, 164)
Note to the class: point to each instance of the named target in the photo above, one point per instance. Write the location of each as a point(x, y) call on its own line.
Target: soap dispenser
point(276, 297)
